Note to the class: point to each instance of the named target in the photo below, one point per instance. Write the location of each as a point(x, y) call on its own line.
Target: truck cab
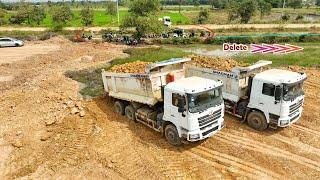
point(279, 95)
point(195, 107)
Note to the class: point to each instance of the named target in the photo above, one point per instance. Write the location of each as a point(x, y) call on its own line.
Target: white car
point(10, 42)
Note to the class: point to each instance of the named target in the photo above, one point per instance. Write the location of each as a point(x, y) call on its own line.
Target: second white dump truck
point(183, 109)
point(261, 97)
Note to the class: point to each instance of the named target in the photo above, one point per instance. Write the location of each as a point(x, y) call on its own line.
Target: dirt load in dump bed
point(132, 67)
point(218, 63)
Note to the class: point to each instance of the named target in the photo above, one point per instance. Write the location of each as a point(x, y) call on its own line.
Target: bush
point(285, 17)
point(299, 17)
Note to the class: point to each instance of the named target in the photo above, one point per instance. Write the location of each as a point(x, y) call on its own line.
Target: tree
point(248, 7)
point(37, 14)
point(144, 7)
point(233, 7)
point(142, 16)
point(318, 2)
point(264, 7)
point(61, 13)
point(196, 3)
point(111, 8)
point(87, 16)
point(2, 16)
point(295, 4)
point(216, 4)
point(203, 16)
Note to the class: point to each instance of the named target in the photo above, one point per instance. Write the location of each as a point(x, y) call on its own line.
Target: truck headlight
point(194, 136)
point(222, 124)
point(284, 122)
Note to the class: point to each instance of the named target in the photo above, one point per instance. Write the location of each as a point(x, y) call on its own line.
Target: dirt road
point(210, 26)
point(40, 138)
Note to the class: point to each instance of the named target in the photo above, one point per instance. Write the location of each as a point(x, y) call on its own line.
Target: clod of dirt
point(17, 143)
point(74, 110)
point(50, 122)
point(46, 136)
point(133, 67)
point(218, 63)
point(82, 113)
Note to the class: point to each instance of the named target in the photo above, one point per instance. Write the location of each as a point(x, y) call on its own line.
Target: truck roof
point(193, 85)
point(280, 76)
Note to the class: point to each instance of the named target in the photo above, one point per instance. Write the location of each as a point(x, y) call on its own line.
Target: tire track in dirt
point(298, 144)
point(173, 167)
point(266, 149)
point(225, 161)
point(305, 129)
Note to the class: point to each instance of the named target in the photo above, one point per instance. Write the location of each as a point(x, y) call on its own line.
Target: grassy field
point(101, 18)
point(309, 57)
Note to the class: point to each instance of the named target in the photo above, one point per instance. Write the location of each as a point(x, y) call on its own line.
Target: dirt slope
point(39, 138)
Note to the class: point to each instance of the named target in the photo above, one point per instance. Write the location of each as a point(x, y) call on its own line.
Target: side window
point(178, 100)
point(268, 89)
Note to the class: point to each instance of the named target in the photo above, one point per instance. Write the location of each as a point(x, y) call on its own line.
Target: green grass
point(309, 57)
point(92, 77)
point(101, 18)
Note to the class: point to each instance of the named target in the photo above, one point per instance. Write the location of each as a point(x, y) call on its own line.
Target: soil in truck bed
point(218, 63)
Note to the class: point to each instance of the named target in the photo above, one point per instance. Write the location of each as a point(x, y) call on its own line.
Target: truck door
point(178, 110)
point(267, 100)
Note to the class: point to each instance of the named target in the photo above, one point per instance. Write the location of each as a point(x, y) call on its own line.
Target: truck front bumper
point(199, 134)
point(288, 120)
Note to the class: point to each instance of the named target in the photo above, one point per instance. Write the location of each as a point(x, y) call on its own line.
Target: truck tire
point(119, 107)
point(172, 135)
point(257, 121)
point(130, 113)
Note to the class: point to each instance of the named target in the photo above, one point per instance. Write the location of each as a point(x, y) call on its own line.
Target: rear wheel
point(257, 121)
point(172, 135)
point(119, 107)
point(130, 113)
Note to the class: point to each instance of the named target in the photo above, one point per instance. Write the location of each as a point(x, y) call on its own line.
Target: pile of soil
point(132, 67)
point(218, 63)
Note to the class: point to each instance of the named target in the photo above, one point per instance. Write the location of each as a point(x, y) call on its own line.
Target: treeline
point(220, 4)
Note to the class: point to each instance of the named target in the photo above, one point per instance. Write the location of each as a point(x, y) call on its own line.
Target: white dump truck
point(261, 97)
point(183, 109)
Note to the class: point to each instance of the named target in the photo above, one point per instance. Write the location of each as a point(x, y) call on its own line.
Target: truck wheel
point(130, 113)
point(257, 121)
point(172, 135)
point(119, 107)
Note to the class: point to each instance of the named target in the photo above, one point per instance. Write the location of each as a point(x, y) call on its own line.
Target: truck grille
point(210, 119)
point(210, 130)
point(295, 107)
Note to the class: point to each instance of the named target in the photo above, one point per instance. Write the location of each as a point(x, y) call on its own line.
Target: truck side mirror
point(277, 94)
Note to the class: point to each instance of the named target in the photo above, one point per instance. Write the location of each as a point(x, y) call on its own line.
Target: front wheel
point(172, 135)
point(257, 121)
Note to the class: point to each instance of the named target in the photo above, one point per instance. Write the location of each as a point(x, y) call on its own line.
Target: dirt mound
point(132, 67)
point(219, 63)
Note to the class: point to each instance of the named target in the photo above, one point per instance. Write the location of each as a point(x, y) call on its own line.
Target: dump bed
point(144, 88)
point(235, 82)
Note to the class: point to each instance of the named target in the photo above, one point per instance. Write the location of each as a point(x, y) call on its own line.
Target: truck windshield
point(291, 91)
point(200, 101)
